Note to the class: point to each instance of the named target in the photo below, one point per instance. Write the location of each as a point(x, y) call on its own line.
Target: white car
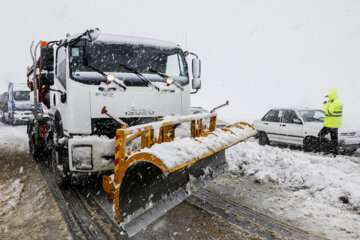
point(296, 126)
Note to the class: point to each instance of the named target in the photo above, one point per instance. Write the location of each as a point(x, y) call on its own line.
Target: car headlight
point(82, 157)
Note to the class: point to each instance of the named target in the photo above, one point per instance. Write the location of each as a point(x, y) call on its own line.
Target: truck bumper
point(22, 117)
point(91, 154)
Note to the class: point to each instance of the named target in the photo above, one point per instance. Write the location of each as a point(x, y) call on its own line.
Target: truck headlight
point(82, 157)
point(110, 77)
point(169, 80)
point(39, 116)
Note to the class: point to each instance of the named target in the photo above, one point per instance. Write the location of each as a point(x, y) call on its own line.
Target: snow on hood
point(24, 104)
point(113, 38)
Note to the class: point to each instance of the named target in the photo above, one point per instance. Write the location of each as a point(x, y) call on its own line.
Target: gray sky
point(257, 54)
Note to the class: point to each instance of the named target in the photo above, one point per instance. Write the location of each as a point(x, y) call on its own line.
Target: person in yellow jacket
point(332, 121)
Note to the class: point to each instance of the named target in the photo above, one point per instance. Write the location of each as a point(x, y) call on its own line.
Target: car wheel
point(311, 144)
point(263, 138)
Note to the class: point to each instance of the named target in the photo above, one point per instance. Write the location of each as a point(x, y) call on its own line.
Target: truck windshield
point(21, 95)
point(109, 58)
point(312, 115)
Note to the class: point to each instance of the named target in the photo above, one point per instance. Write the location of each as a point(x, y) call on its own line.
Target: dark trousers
point(325, 146)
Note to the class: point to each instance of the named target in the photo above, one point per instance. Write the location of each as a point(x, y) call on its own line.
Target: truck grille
point(107, 126)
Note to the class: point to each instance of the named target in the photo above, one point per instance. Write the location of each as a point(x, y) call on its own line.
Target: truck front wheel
point(12, 121)
point(61, 175)
point(60, 165)
point(34, 150)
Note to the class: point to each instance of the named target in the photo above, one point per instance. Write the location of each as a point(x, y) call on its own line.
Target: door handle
point(266, 124)
point(282, 125)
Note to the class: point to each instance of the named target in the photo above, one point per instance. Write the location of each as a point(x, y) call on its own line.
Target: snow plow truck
point(120, 106)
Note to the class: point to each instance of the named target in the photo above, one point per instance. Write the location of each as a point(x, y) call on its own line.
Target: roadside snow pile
point(333, 179)
point(13, 137)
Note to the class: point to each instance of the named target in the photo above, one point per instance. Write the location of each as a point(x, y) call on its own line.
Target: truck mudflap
point(162, 171)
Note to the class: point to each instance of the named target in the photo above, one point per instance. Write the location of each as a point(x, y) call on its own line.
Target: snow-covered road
point(27, 208)
point(320, 193)
point(315, 192)
point(14, 138)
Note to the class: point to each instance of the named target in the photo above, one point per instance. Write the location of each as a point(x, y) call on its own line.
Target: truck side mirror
point(47, 79)
point(93, 34)
point(196, 72)
point(47, 58)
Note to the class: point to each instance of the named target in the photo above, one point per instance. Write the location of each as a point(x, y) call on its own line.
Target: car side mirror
point(297, 121)
point(47, 79)
point(196, 72)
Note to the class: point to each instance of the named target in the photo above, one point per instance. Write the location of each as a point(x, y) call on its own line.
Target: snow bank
point(326, 177)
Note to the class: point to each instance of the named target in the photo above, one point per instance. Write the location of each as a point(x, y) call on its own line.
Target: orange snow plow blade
point(157, 165)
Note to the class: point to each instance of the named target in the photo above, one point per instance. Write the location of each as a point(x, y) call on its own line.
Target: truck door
point(291, 128)
point(60, 81)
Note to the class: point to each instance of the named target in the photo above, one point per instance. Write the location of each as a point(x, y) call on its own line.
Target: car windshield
point(312, 115)
point(21, 95)
point(115, 57)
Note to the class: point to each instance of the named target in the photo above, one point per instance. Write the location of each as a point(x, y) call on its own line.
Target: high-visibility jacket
point(333, 110)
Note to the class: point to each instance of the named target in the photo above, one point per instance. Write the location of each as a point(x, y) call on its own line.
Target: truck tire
point(59, 161)
point(12, 122)
point(311, 144)
point(61, 176)
point(263, 138)
point(33, 149)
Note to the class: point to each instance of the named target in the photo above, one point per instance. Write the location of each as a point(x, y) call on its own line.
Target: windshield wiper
point(164, 76)
point(140, 75)
point(117, 81)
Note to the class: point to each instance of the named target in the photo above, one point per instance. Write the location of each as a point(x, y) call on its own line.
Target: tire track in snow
point(245, 217)
point(84, 217)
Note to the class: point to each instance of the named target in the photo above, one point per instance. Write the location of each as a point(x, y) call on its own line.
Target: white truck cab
point(138, 80)
point(19, 104)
